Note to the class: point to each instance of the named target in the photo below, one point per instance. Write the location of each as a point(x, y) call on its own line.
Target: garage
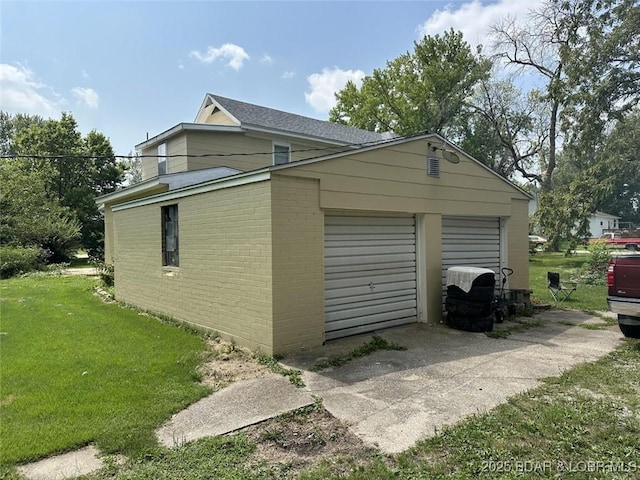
point(470, 241)
point(369, 273)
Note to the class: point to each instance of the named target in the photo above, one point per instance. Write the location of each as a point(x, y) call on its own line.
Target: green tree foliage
point(602, 66)
point(71, 169)
point(421, 91)
point(30, 217)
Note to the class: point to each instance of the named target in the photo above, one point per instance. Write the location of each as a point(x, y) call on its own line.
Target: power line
point(348, 146)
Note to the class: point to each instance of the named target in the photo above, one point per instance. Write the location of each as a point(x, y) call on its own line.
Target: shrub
point(16, 260)
point(105, 272)
point(595, 268)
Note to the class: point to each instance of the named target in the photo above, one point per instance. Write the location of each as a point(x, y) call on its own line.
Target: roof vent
point(433, 167)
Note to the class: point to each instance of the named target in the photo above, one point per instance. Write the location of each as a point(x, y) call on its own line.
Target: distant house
point(280, 231)
point(601, 222)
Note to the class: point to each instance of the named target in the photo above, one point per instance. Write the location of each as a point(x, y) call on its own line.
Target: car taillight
point(610, 276)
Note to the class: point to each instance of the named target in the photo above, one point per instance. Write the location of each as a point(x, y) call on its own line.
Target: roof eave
point(182, 127)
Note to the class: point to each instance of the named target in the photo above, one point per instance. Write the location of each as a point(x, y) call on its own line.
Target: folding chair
point(558, 290)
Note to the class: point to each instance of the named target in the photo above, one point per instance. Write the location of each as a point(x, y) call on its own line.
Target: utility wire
point(348, 147)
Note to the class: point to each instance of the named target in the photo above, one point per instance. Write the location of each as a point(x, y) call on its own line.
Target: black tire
point(630, 331)
point(470, 324)
point(468, 309)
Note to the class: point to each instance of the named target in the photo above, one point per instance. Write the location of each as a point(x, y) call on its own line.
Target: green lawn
point(76, 370)
point(586, 297)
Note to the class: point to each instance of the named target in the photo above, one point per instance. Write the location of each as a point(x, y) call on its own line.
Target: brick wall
point(224, 279)
point(298, 248)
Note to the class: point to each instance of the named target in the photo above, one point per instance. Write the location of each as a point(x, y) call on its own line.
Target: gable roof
point(252, 116)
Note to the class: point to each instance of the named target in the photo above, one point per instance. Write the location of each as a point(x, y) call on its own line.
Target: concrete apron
point(391, 399)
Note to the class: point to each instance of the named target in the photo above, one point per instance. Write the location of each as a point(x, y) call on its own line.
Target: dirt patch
point(292, 442)
point(229, 363)
point(300, 440)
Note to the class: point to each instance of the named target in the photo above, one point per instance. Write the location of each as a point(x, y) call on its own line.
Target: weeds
point(272, 362)
point(376, 343)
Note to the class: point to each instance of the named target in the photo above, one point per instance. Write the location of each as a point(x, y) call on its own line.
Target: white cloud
point(21, 92)
point(235, 55)
point(87, 96)
point(323, 86)
point(85, 74)
point(266, 59)
point(287, 75)
point(474, 19)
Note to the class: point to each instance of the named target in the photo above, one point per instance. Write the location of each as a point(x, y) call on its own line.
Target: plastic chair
point(558, 290)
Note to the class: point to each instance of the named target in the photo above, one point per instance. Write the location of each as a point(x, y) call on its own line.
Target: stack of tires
point(472, 311)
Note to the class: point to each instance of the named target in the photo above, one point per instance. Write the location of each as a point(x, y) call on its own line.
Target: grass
point(376, 343)
point(585, 419)
point(76, 370)
point(589, 298)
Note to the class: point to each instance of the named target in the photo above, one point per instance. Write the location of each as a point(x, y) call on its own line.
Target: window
point(162, 159)
point(170, 256)
point(281, 153)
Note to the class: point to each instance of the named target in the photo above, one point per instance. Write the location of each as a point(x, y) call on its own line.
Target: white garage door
point(369, 274)
point(471, 241)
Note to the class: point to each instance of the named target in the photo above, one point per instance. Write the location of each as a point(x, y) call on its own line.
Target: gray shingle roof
point(257, 116)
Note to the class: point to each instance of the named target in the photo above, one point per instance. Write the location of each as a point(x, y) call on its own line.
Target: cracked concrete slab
point(392, 399)
point(237, 406)
point(68, 465)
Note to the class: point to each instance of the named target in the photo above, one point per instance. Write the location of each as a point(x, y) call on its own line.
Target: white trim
point(219, 184)
point(279, 143)
point(209, 100)
point(421, 268)
point(125, 192)
point(162, 158)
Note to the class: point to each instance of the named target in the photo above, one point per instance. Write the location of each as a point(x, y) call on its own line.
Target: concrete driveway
point(391, 399)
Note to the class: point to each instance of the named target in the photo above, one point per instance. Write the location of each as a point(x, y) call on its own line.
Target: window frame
point(276, 154)
point(169, 215)
point(162, 159)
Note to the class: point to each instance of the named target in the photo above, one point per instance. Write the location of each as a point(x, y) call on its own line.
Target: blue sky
point(128, 68)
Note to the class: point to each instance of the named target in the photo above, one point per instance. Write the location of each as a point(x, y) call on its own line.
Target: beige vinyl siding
point(176, 145)
point(149, 163)
point(224, 144)
point(298, 287)
point(224, 279)
point(394, 179)
point(200, 143)
point(214, 116)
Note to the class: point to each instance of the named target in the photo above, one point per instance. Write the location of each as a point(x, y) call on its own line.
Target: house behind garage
point(280, 231)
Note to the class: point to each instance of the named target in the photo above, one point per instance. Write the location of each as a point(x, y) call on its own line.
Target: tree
point(586, 54)
point(74, 169)
point(505, 129)
point(417, 92)
point(602, 65)
point(30, 217)
point(133, 169)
